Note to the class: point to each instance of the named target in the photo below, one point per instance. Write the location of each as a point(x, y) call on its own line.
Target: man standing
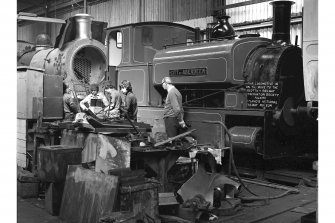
point(173, 109)
point(69, 104)
point(95, 101)
point(114, 98)
point(130, 101)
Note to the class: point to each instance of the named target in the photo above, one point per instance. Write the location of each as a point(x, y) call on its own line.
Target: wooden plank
point(119, 130)
point(276, 207)
point(21, 96)
point(21, 163)
point(292, 215)
point(87, 196)
point(285, 175)
point(26, 94)
point(21, 143)
point(21, 126)
point(21, 160)
point(21, 156)
point(53, 198)
point(21, 146)
point(21, 136)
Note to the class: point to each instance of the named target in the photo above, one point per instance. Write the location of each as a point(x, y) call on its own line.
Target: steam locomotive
point(254, 85)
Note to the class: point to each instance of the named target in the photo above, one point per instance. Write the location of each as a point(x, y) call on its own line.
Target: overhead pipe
point(85, 7)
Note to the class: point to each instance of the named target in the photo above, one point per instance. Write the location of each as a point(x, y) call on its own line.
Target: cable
point(231, 154)
point(257, 198)
point(195, 99)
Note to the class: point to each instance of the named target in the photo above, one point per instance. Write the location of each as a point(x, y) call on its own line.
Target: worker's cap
point(167, 80)
point(94, 87)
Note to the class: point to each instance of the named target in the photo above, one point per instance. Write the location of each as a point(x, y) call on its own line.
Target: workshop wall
point(29, 32)
point(195, 13)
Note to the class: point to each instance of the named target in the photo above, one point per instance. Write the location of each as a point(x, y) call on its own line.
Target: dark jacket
point(70, 106)
point(130, 105)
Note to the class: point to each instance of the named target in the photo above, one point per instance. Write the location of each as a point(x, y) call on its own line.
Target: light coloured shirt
point(94, 109)
point(173, 105)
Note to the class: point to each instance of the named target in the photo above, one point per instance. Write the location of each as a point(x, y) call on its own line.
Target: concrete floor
point(288, 209)
point(32, 211)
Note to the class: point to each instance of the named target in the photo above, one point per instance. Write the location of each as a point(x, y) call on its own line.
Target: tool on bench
point(174, 138)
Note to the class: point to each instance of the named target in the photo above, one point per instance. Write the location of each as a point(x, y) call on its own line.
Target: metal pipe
point(197, 34)
point(85, 6)
point(271, 185)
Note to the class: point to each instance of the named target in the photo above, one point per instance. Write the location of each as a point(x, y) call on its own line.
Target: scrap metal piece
point(204, 183)
point(198, 202)
point(174, 138)
point(88, 195)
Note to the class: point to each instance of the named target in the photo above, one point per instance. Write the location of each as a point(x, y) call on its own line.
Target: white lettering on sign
point(262, 95)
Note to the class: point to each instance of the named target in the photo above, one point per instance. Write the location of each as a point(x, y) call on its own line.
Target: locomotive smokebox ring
point(287, 120)
point(287, 113)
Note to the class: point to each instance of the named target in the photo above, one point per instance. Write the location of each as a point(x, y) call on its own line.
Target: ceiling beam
point(40, 19)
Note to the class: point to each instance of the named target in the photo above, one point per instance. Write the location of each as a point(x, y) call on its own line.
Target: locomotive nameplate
point(188, 72)
point(262, 95)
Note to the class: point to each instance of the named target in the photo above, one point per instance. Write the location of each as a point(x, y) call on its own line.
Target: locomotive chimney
point(83, 26)
point(281, 20)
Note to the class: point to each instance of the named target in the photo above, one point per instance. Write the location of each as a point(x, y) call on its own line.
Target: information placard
point(262, 95)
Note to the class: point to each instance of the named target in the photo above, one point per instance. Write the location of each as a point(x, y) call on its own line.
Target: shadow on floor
point(32, 211)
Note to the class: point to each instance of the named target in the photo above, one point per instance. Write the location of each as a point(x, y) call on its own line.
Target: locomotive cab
point(131, 49)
